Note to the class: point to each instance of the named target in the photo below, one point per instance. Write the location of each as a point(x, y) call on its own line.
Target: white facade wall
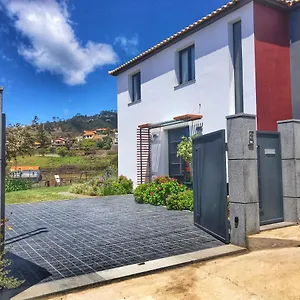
point(213, 89)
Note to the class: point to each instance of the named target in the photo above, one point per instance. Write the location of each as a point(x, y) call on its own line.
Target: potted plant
point(185, 150)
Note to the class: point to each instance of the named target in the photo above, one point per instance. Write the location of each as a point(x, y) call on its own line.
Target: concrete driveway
point(55, 240)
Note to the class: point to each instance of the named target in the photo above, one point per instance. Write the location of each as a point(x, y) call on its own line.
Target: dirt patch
point(268, 274)
point(279, 238)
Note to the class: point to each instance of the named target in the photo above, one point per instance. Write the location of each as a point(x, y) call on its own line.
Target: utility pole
point(2, 170)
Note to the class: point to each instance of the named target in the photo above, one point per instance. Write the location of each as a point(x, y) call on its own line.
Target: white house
point(237, 59)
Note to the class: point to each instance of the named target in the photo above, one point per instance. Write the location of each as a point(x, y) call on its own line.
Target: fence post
point(2, 172)
point(290, 153)
point(243, 177)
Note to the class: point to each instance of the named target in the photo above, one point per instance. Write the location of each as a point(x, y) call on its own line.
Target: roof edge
point(196, 26)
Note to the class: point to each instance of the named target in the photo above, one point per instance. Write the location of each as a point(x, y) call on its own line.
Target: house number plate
point(270, 152)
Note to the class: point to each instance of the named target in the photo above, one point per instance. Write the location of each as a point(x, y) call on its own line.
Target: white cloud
point(6, 58)
point(53, 45)
point(129, 45)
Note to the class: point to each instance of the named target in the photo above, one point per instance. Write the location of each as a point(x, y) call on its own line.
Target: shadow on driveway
point(23, 270)
point(25, 236)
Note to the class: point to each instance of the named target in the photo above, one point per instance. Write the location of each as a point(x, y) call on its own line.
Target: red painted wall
point(273, 76)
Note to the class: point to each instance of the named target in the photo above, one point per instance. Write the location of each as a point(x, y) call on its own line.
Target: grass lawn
point(38, 195)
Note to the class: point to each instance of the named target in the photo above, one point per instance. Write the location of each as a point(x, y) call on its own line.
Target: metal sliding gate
point(210, 187)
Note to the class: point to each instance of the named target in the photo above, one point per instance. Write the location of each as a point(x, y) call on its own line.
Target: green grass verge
point(38, 195)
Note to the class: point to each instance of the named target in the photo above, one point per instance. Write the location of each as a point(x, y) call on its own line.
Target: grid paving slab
point(56, 240)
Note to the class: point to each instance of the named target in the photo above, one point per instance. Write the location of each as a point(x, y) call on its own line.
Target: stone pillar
point(243, 177)
point(290, 153)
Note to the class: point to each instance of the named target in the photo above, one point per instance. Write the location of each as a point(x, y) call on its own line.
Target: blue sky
point(55, 54)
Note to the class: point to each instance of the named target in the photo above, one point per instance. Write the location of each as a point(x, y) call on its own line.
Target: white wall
point(213, 89)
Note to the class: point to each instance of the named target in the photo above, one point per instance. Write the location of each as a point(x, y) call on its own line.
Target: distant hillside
point(79, 123)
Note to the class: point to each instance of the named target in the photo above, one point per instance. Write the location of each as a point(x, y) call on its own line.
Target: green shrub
point(139, 193)
point(181, 201)
point(113, 187)
point(62, 151)
point(17, 184)
point(86, 189)
point(126, 183)
point(104, 187)
point(157, 192)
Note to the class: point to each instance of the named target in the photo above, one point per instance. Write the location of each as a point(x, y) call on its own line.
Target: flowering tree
point(19, 142)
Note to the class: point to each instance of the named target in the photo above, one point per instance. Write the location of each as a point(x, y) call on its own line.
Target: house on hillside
point(37, 145)
point(88, 134)
point(242, 58)
point(59, 142)
point(91, 134)
point(102, 131)
point(26, 172)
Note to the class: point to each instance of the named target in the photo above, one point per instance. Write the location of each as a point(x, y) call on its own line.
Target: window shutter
point(143, 155)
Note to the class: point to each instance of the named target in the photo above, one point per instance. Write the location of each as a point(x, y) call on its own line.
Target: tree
point(88, 146)
point(106, 143)
point(69, 142)
point(35, 122)
point(62, 151)
point(19, 142)
point(42, 137)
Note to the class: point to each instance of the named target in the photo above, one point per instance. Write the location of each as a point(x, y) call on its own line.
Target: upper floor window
point(136, 87)
point(238, 66)
point(187, 64)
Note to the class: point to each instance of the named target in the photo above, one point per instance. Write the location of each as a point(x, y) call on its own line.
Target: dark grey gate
point(209, 180)
point(269, 177)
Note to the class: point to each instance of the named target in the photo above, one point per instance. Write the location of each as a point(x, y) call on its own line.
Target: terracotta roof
point(24, 168)
point(89, 132)
point(183, 31)
point(188, 117)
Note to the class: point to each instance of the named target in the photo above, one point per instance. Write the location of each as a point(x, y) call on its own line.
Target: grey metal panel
point(209, 184)
point(270, 177)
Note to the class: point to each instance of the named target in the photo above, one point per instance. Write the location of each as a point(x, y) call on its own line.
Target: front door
point(269, 177)
point(177, 166)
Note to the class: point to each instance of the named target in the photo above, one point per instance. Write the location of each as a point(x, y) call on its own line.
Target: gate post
point(290, 153)
point(243, 177)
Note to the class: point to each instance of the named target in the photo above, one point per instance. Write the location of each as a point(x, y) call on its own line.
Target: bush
point(17, 184)
point(106, 143)
point(157, 192)
point(181, 201)
point(62, 151)
point(113, 187)
point(104, 187)
point(139, 193)
point(86, 189)
point(126, 183)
